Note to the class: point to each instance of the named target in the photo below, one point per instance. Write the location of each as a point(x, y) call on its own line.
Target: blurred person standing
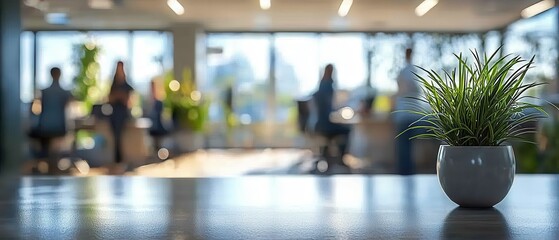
point(119, 97)
point(408, 88)
point(52, 118)
point(323, 100)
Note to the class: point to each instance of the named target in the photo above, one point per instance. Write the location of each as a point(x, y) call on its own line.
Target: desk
point(134, 141)
point(264, 207)
point(345, 116)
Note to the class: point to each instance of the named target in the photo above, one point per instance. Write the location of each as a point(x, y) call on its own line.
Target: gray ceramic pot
point(475, 176)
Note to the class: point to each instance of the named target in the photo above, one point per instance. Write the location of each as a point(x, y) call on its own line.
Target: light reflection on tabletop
point(265, 207)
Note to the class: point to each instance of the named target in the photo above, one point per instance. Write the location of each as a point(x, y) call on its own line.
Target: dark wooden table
point(264, 207)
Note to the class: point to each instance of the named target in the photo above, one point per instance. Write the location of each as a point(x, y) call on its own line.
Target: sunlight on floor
point(231, 162)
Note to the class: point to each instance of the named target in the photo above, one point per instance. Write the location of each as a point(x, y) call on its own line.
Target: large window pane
point(167, 50)
point(148, 57)
point(26, 70)
point(56, 49)
point(348, 54)
point(297, 70)
point(428, 50)
point(146, 54)
point(387, 59)
point(536, 36)
point(242, 68)
point(436, 51)
point(114, 47)
point(492, 41)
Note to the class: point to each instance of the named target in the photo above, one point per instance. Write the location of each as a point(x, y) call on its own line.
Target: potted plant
point(188, 109)
point(475, 109)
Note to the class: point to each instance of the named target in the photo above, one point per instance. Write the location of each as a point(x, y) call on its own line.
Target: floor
point(212, 163)
point(371, 152)
point(230, 162)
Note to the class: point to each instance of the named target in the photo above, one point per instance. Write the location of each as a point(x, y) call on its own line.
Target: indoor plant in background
point(188, 109)
point(475, 109)
point(86, 89)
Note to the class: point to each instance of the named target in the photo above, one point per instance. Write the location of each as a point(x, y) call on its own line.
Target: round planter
point(476, 176)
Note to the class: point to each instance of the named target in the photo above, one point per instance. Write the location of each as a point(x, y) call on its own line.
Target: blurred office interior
point(235, 78)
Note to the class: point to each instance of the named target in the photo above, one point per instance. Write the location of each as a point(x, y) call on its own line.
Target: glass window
point(297, 70)
point(297, 63)
point(387, 59)
point(56, 49)
point(148, 57)
point(167, 50)
point(146, 54)
point(428, 50)
point(241, 69)
point(437, 50)
point(536, 36)
point(492, 41)
point(26, 70)
point(347, 51)
point(114, 46)
point(524, 34)
point(461, 44)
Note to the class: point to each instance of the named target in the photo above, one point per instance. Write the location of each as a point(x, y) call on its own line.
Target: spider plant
point(478, 104)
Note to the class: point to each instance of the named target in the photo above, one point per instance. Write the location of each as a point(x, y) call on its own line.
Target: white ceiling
point(286, 15)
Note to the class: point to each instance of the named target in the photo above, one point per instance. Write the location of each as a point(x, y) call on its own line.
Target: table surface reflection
point(266, 207)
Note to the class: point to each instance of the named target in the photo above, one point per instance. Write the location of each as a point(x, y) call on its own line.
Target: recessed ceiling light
point(425, 6)
point(344, 8)
point(265, 4)
point(537, 8)
point(176, 6)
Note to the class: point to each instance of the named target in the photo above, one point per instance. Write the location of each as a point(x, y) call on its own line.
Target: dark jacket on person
point(323, 102)
point(52, 121)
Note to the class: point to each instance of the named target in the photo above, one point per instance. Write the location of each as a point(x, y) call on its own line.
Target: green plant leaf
point(478, 104)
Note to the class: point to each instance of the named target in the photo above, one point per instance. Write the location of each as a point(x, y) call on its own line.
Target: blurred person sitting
point(119, 97)
point(52, 118)
point(323, 100)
